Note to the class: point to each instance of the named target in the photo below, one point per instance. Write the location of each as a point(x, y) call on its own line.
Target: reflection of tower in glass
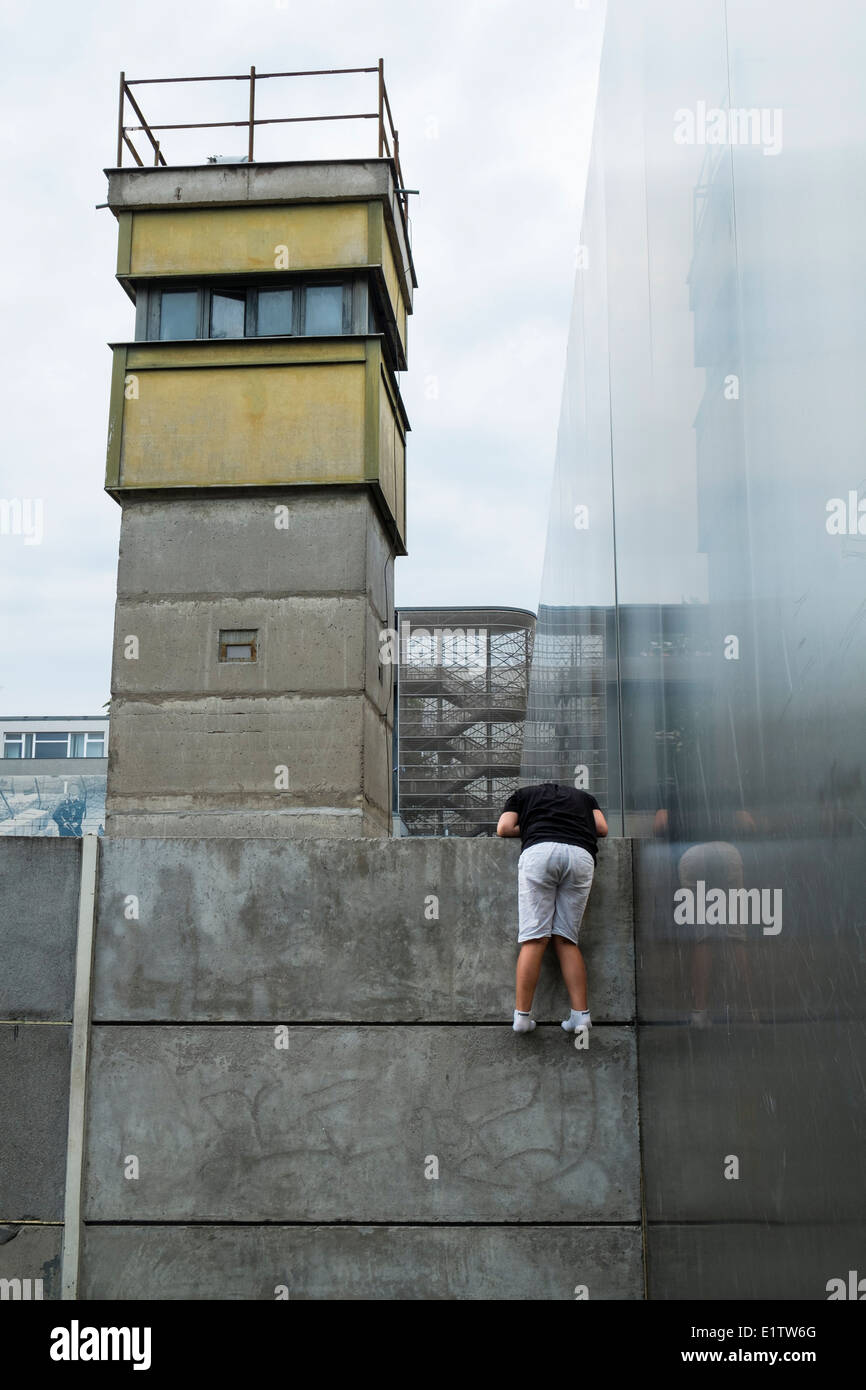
point(729, 746)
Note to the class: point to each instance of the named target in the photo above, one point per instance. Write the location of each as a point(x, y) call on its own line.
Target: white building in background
point(52, 774)
point(45, 739)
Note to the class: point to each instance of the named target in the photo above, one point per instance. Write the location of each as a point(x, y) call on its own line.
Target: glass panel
point(95, 747)
point(274, 312)
point(713, 433)
point(239, 653)
point(51, 745)
point(78, 745)
point(227, 313)
point(178, 316)
point(12, 745)
point(324, 309)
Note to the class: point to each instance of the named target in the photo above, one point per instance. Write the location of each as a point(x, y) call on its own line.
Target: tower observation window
point(324, 309)
point(178, 314)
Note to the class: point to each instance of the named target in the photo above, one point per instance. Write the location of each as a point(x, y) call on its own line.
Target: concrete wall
point(38, 913)
point(340, 1123)
point(303, 1083)
point(401, 931)
point(522, 1262)
point(311, 1041)
point(196, 743)
point(311, 1037)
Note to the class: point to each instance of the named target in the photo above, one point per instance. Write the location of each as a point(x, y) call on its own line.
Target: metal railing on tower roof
point(388, 140)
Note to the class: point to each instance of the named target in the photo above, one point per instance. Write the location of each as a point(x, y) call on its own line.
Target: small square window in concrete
point(238, 644)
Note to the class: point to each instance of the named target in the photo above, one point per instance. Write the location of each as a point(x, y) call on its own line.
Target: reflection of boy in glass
point(702, 831)
point(69, 814)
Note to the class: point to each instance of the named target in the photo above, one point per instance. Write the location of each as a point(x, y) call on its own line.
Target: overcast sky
point(493, 100)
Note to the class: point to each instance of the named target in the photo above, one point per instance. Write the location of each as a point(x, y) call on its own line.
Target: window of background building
point(55, 744)
point(51, 745)
point(85, 745)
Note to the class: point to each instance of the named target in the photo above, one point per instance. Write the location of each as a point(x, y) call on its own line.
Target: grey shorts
point(720, 865)
point(553, 883)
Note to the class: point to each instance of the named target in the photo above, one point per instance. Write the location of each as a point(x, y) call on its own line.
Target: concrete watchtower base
point(296, 743)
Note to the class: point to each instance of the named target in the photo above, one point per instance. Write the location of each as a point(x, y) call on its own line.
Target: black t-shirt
point(555, 812)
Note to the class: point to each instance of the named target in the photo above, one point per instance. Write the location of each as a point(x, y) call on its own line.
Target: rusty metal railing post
point(381, 107)
point(252, 112)
point(404, 201)
point(120, 119)
point(156, 154)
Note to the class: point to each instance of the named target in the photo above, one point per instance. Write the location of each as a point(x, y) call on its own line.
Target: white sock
point(523, 1022)
point(579, 1018)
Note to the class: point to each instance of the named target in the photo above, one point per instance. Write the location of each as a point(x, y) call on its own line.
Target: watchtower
point(256, 444)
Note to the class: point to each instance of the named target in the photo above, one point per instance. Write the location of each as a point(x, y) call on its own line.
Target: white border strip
point(72, 1226)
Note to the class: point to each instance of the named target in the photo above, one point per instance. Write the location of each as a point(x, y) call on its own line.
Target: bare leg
point(528, 970)
point(745, 977)
point(702, 960)
point(573, 968)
